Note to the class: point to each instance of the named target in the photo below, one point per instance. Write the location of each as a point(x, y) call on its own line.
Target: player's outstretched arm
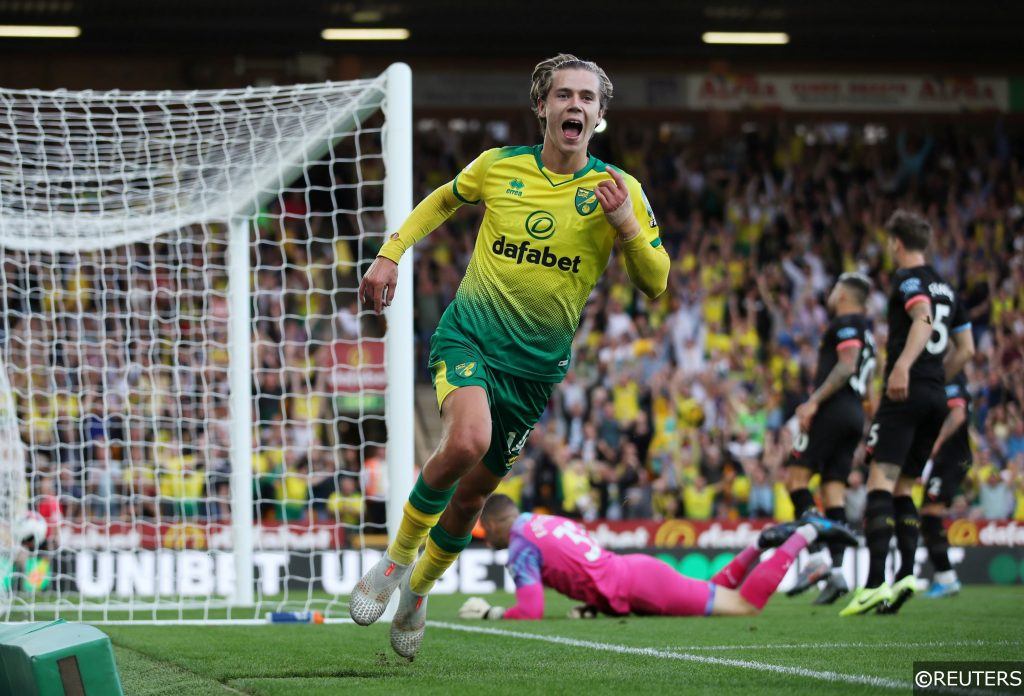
point(525, 567)
point(646, 266)
point(529, 603)
point(378, 285)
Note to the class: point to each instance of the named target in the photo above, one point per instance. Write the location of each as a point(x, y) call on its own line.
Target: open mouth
point(572, 129)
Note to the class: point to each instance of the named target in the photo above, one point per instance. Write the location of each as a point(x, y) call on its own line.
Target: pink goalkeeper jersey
point(560, 554)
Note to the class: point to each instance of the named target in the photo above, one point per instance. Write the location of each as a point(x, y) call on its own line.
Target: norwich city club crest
point(465, 369)
point(586, 201)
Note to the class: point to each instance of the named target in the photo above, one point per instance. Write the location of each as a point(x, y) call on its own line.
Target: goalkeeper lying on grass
point(558, 553)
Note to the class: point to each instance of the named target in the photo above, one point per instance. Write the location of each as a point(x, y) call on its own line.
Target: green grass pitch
point(791, 648)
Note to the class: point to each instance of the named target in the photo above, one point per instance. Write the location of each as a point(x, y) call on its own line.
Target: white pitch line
point(834, 677)
point(204, 622)
point(815, 646)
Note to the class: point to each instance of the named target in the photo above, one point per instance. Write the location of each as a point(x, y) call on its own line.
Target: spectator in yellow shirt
point(626, 398)
point(512, 486)
point(699, 500)
point(347, 504)
point(577, 500)
point(293, 489)
point(783, 504)
point(1018, 496)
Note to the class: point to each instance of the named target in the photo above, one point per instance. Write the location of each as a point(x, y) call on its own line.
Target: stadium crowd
point(673, 408)
point(679, 407)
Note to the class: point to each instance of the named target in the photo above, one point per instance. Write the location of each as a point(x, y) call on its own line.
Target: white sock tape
point(618, 217)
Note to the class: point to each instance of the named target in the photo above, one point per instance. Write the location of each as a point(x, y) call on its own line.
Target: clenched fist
point(613, 195)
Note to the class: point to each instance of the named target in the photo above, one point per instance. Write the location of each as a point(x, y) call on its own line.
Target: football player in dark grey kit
point(924, 317)
point(832, 424)
point(951, 460)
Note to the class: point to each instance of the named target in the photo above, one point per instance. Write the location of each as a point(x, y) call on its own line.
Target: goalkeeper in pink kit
point(556, 552)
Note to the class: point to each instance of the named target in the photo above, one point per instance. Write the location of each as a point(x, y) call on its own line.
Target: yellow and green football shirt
point(542, 246)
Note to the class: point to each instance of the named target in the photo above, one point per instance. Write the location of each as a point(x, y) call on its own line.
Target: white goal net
point(212, 424)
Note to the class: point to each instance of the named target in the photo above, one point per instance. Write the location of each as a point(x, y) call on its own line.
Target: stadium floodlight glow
point(375, 34)
point(28, 31)
point(602, 126)
point(756, 38)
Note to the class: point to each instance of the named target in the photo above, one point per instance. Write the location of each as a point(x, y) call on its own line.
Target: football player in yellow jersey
point(553, 214)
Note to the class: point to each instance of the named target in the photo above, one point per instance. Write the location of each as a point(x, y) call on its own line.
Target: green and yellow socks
point(419, 519)
point(441, 552)
point(420, 515)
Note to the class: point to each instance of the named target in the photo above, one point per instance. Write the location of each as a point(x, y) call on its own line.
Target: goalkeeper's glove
point(478, 608)
point(583, 611)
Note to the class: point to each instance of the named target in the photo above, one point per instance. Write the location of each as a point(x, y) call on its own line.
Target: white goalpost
point(192, 394)
point(13, 503)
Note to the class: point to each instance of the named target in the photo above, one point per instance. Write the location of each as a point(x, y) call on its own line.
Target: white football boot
point(370, 597)
point(410, 621)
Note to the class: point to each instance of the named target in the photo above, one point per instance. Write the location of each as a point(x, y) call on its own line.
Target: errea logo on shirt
point(515, 188)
